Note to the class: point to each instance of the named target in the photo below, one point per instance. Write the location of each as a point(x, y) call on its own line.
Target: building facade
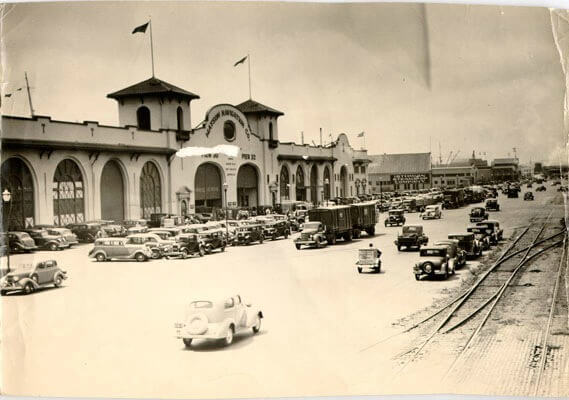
point(399, 172)
point(61, 172)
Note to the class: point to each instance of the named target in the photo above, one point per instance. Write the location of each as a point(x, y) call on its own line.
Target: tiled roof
point(410, 163)
point(152, 86)
point(253, 107)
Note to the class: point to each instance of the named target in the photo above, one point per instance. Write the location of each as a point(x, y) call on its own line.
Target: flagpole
point(29, 95)
point(151, 47)
point(249, 65)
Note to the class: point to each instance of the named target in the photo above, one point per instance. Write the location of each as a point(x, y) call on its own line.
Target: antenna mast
point(29, 95)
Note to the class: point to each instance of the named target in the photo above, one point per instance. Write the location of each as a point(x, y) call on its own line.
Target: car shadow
point(208, 345)
point(439, 278)
point(39, 290)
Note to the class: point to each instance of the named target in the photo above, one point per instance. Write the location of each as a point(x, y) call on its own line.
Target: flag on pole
point(240, 61)
point(141, 28)
point(361, 134)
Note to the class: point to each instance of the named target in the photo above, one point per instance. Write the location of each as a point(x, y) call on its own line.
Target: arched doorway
point(300, 188)
point(326, 182)
point(17, 178)
point(150, 190)
point(208, 186)
point(314, 184)
point(344, 181)
point(68, 194)
point(247, 186)
point(285, 183)
point(112, 192)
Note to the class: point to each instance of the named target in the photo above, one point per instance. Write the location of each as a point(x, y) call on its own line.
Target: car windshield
point(54, 233)
point(411, 229)
point(433, 253)
point(430, 208)
point(311, 225)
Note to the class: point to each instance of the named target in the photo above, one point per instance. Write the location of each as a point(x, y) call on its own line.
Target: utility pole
point(29, 94)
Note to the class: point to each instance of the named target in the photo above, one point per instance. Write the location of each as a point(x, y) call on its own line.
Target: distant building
point(505, 169)
point(459, 174)
point(399, 172)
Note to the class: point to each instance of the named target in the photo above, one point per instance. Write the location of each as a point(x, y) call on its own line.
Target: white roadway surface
point(109, 331)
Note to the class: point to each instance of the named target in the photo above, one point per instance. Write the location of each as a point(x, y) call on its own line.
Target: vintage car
point(119, 249)
point(188, 244)
point(294, 224)
point(432, 212)
point(492, 205)
point(433, 260)
point(213, 239)
point(18, 241)
point(28, 278)
point(481, 236)
point(248, 234)
point(513, 193)
point(369, 258)
point(313, 235)
point(411, 236)
point(467, 243)
point(478, 214)
point(541, 188)
point(218, 319)
point(86, 232)
point(134, 230)
point(455, 253)
point(493, 230)
point(528, 196)
point(44, 240)
point(66, 233)
point(114, 230)
point(395, 217)
point(276, 229)
point(154, 242)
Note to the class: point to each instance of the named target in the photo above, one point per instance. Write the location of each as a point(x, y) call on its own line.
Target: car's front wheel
point(53, 247)
point(187, 342)
point(257, 325)
point(57, 281)
point(140, 257)
point(229, 336)
point(100, 257)
point(29, 288)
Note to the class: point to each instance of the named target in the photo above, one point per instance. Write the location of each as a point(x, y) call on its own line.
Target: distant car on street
point(455, 253)
point(119, 249)
point(492, 205)
point(313, 235)
point(433, 260)
point(218, 319)
point(432, 212)
point(247, 234)
point(468, 244)
point(493, 229)
point(411, 236)
point(528, 196)
point(478, 214)
point(29, 278)
point(18, 241)
point(395, 217)
point(212, 240)
point(46, 241)
point(541, 188)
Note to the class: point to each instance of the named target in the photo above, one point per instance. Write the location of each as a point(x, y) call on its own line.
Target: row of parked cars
point(189, 240)
point(40, 237)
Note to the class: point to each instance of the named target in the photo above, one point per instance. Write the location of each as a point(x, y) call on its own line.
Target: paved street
point(109, 330)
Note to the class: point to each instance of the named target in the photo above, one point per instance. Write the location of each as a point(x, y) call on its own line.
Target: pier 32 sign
point(410, 178)
point(215, 115)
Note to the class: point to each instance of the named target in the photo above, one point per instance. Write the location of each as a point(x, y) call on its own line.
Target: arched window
point(270, 131)
point(16, 177)
point(150, 190)
point(143, 118)
point(180, 118)
point(300, 188)
point(68, 194)
point(184, 208)
point(284, 183)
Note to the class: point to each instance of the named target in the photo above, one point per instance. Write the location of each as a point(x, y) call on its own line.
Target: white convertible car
point(218, 319)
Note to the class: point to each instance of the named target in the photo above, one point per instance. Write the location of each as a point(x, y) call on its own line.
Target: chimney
point(302, 138)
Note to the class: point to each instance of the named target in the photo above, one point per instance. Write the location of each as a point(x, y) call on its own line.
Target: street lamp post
point(326, 189)
point(225, 185)
point(6, 198)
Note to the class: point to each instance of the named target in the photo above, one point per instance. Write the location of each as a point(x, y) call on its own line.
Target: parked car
point(157, 246)
point(528, 196)
point(28, 278)
point(114, 230)
point(493, 229)
point(66, 233)
point(313, 235)
point(213, 239)
point(513, 193)
point(218, 319)
point(411, 236)
point(455, 253)
point(369, 258)
point(248, 234)
point(119, 249)
point(432, 212)
point(468, 244)
point(478, 214)
point(395, 217)
point(46, 241)
point(276, 229)
point(188, 245)
point(541, 188)
point(433, 260)
point(86, 232)
point(492, 205)
point(18, 241)
point(481, 235)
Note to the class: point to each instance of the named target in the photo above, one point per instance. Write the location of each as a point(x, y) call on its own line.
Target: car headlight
point(428, 268)
point(16, 278)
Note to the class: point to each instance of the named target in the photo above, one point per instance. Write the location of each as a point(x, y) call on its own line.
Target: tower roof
point(153, 86)
point(253, 107)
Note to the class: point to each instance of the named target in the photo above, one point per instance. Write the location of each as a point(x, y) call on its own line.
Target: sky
point(442, 78)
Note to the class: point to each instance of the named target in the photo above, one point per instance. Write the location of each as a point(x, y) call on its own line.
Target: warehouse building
point(399, 172)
